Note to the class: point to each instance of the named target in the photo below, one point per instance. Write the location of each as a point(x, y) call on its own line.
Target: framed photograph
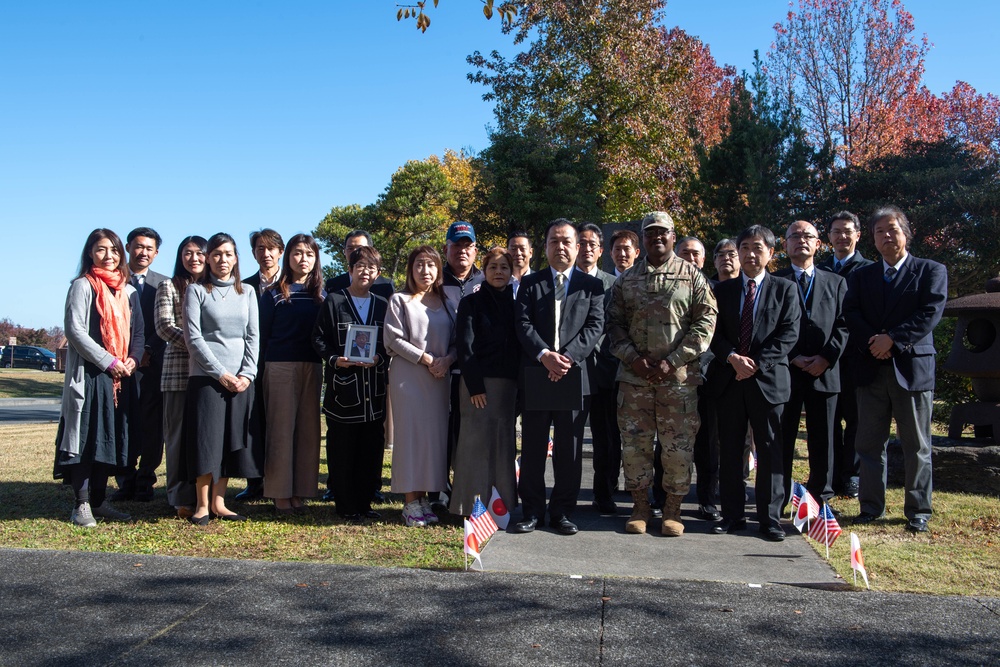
point(360, 345)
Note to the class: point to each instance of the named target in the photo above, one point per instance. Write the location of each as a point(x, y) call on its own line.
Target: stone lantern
point(975, 354)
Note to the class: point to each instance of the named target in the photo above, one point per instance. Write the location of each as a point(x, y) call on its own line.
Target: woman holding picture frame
point(355, 385)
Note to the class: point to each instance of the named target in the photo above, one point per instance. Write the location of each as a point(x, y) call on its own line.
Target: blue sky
point(195, 117)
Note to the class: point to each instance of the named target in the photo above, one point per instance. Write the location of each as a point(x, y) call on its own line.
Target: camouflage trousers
point(669, 411)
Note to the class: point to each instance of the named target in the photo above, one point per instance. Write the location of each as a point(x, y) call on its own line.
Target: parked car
point(28, 356)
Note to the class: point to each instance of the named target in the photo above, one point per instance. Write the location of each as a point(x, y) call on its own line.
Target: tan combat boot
point(672, 526)
point(640, 512)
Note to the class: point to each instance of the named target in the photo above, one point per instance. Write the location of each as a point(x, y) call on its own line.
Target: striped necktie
point(746, 318)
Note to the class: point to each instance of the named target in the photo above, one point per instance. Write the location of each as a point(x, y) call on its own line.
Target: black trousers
point(706, 451)
point(846, 463)
point(354, 458)
point(567, 460)
point(145, 430)
point(820, 407)
point(607, 440)
point(742, 404)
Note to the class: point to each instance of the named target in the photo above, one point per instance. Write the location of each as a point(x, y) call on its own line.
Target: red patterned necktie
point(746, 318)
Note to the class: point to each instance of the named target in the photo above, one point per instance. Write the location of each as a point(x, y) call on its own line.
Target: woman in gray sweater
point(221, 333)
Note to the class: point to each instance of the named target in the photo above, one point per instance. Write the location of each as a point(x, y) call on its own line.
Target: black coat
point(354, 394)
point(487, 340)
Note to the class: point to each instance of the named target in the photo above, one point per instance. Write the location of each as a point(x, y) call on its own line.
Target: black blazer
point(605, 363)
point(382, 285)
point(822, 327)
point(907, 309)
point(775, 330)
point(580, 326)
point(147, 303)
point(486, 337)
point(353, 394)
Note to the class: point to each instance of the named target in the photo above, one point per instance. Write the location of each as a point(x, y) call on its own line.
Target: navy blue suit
point(907, 309)
point(757, 401)
point(822, 331)
point(580, 327)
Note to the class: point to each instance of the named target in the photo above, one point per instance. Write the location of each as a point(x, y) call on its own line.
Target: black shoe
point(254, 491)
point(564, 526)
point(372, 514)
point(773, 534)
point(917, 525)
point(865, 518)
point(352, 518)
point(851, 489)
point(143, 496)
point(728, 527)
point(123, 495)
point(232, 517)
point(327, 497)
point(526, 526)
point(656, 512)
point(709, 513)
point(606, 507)
point(378, 498)
point(200, 520)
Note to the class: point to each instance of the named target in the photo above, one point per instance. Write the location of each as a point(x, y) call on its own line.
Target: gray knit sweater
point(221, 330)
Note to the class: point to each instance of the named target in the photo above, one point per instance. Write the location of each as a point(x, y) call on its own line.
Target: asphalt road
point(29, 410)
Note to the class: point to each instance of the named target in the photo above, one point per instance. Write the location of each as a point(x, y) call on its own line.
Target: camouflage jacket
point(665, 312)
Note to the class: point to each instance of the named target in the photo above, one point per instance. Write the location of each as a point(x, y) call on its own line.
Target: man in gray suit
point(146, 419)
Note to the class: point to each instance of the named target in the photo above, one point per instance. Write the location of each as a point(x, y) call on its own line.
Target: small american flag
point(482, 522)
point(825, 529)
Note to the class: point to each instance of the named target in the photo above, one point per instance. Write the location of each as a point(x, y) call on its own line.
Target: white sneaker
point(106, 511)
point(413, 514)
point(429, 515)
point(83, 517)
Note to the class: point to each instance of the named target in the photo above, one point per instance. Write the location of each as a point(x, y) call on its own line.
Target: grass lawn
point(961, 554)
point(34, 513)
point(23, 383)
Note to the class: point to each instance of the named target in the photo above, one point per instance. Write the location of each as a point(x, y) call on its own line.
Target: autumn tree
point(417, 11)
point(852, 67)
point(602, 77)
point(527, 180)
point(416, 208)
point(763, 171)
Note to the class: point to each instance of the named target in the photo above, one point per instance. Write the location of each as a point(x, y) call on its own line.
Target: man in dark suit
point(757, 326)
point(813, 360)
point(560, 317)
point(268, 247)
point(146, 422)
point(892, 307)
point(355, 239)
point(607, 438)
point(845, 231)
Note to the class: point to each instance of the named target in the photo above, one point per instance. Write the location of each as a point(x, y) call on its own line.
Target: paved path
point(29, 410)
point(75, 608)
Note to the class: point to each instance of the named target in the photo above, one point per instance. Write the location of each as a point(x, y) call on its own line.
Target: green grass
point(24, 383)
point(34, 512)
point(960, 555)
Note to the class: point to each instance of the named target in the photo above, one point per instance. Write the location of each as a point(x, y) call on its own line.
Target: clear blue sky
point(198, 117)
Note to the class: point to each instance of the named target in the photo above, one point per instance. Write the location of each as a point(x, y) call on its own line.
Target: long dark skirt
point(103, 426)
point(218, 434)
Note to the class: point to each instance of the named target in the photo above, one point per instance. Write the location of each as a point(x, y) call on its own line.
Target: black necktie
point(746, 318)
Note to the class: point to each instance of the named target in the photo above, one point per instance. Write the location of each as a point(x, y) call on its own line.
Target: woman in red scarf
point(104, 328)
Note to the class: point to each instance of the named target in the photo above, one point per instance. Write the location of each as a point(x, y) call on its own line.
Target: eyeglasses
point(590, 244)
point(801, 236)
point(653, 232)
point(726, 254)
point(365, 268)
point(842, 232)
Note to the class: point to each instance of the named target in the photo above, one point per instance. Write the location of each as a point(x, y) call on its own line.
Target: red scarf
point(115, 314)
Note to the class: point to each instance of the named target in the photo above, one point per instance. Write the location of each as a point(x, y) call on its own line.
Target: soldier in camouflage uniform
point(660, 320)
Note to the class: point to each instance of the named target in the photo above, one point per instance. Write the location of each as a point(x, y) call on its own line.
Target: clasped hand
point(880, 345)
point(651, 370)
point(556, 364)
point(233, 383)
